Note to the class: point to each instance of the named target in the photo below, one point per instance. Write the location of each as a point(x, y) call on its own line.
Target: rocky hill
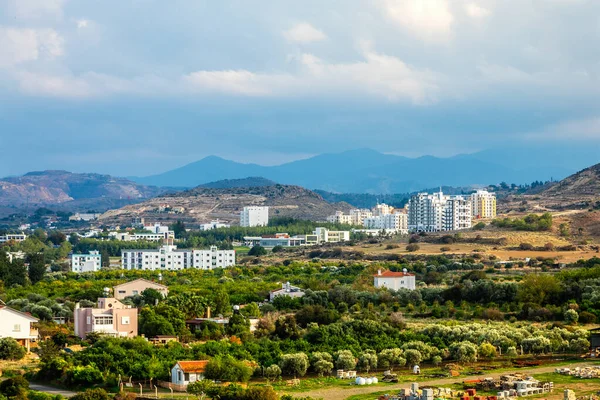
point(203, 204)
point(251, 181)
point(61, 187)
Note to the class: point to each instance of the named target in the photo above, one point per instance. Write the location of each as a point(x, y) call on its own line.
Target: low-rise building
point(13, 237)
point(286, 290)
point(90, 262)
point(136, 287)
point(170, 258)
point(84, 217)
point(394, 280)
point(324, 235)
point(110, 317)
point(254, 216)
point(213, 225)
point(18, 325)
point(185, 372)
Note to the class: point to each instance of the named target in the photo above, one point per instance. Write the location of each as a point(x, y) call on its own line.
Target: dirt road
point(51, 390)
point(337, 393)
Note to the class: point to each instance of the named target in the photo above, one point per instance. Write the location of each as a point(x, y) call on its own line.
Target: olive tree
point(367, 360)
point(389, 358)
point(294, 364)
point(345, 360)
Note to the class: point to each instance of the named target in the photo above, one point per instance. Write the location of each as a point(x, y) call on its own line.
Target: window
point(125, 320)
point(17, 328)
point(134, 292)
point(89, 320)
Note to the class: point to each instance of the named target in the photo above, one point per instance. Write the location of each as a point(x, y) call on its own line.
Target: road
point(51, 390)
point(337, 393)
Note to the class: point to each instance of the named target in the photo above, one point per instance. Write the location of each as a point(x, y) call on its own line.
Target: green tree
point(257, 251)
point(390, 358)
point(538, 288)
point(151, 324)
point(487, 350)
point(463, 352)
point(11, 350)
point(200, 388)
point(272, 372)
point(152, 296)
point(294, 364)
point(367, 360)
point(56, 237)
point(238, 325)
point(37, 267)
point(178, 229)
point(345, 360)
point(571, 317)
point(92, 394)
point(15, 388)
point(413, 357)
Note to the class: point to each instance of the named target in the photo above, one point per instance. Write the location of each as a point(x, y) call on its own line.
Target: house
point(136, 287)
point(91, 262)
point(395, 280)
point(186, 372)
point(110, 317)
point(18, 325)
point(286, 290)
point(163, 339)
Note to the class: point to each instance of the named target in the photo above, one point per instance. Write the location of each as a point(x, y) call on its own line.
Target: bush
point(587, 317)
point(15, 387)
point(526, 246)
point(479, 226)
point(412, 247)
point(444, 249)
point(11, 350)
point(571, 316)
point(257, 251)
point(92, 394)
point(277, 249)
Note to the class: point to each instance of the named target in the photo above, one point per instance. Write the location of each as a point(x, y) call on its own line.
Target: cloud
point(429, 20)
point(83, 23)
point(576, 129)
point(19, 45)
point(304, 33)
point(35, 9)
point(474, 10)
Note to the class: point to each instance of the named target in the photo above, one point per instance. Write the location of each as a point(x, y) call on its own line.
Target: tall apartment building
point(382, 209)
point(170, 258)
point(438, 212)
point(397, 222)
point(90, 262)
point(483, 204)
point(254, 216)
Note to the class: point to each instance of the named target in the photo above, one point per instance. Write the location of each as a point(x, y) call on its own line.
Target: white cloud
point(578, 129)
point(428, 19)
point(21, 45)
point(474, 10)
point(35, 9)
point(83, 23)
point(304, 33)
point(237, 82)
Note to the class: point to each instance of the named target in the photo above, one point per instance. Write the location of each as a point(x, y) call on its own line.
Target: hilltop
point(66, 188)
point(203, 204)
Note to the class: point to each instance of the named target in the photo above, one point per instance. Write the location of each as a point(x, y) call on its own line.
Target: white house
point(186, 372)
point(169, 258)
point(254, 216)
point(15, 237)
point(395, 280)
point(286, 290)
point(213, 225)
point(18, 326)
point(91, 262)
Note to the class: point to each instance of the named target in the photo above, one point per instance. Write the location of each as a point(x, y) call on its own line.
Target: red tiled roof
point(392, 274)
point(193, 366)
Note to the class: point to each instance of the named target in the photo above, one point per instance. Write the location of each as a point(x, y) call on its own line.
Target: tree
point(74, 239)
point(436, 360)
point(251, 311)
point(412, 247)
point(345, 360)
point(479, 226)
point(152, 296)
point(178, 229)
point(56, 237)
point(257, 251)
point(571, 317)
point(511, 352)
point(15, 387)
point(277, 249)
point(272, 372)
point(294, 364)
point(151, 324)
point(538, 288)
point(323, 367)
point(227, 368)
point(389, 358)
point(463, 352)
point(367, 360)
point(237, 325)
point(200, 388)
point(413, 357)
point(37, 267)
point(487, 350)
point(11, 350)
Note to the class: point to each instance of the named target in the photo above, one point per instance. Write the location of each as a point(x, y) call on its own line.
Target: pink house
point(111, 317)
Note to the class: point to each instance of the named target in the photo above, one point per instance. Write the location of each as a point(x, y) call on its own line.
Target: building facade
point(254, 216)
point(14, 237)
point(457, 213)
point(483, 204)
point(395, 280)
point(397, 222)
point(438, 212)
point(91, 262)
point(170, 258)
point(186, 372)
point(18, 325)
point(213, 225)
point(110, 317)
point(136, 287)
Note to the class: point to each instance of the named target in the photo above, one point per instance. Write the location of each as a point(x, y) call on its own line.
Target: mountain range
point(369, 171)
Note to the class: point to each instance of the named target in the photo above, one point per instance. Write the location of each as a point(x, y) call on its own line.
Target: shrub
point(487, 350)
point(526, 246)
point(412, 247)
point(15, 387)
point(92, 394)
point(587, 317)
point(444, 249)
point(11, 350)
point(479, 226)
point(257, 251)
point(571, 316)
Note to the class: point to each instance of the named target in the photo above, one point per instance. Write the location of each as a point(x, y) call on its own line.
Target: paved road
point(51, 390)
point(337, 393)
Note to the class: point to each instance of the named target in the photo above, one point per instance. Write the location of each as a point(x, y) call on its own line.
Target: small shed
point(595, 339)
point(186, 372)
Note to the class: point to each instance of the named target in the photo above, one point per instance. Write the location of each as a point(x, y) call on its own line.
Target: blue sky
point(142, 86)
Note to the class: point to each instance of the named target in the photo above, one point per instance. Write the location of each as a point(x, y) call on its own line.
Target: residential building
point(324, 235)
point(376, 232)
point(136, 287)
point(358, 215)
point(84, 217)
point(394, 280)
point(90, 262)
point(396, 221)
point(110, 317)
point(286, 290)
point(483, 204)
point(14, 237)
point(170, 258)
point(213, 225)
point(157, 233)
point(18, 325)
point(340, 218)
point(254, 216)
point(382, 209)
point(438, 212)
point(186, 372)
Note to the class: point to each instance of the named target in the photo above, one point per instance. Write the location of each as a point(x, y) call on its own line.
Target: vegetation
point(531, 222)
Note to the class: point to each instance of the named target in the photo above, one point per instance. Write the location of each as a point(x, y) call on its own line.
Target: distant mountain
point(202, 204)
point(62, 187)
point(239, 183)
point(369, 171)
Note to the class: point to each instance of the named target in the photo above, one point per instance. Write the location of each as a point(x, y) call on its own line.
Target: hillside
point(367, 171)
point(203, 204)
point(62, 187)
point(252, 181)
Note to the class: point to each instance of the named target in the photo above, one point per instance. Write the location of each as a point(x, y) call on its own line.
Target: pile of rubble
point(580, 372)
point(513, 385)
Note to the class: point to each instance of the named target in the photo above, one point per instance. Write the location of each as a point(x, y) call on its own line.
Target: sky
point(138, 87)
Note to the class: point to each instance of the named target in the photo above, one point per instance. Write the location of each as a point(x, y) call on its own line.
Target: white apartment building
point(84, 217)
point(170, 258)
point(340, 218)
point(397, 222)
point(483, 204)
point(324, 235)
point(15, 237)
point(91, 262)
point(438, 212)
point(254, 216)
point(382, 209)
point(213, 225)
point(394, 280)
